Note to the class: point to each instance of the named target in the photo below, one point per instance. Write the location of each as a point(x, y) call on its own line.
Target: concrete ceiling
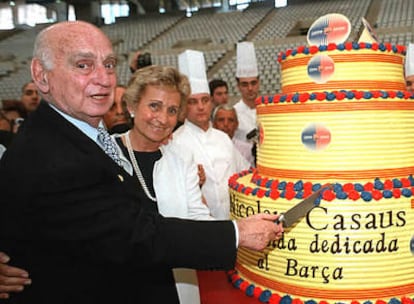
point(148, 5)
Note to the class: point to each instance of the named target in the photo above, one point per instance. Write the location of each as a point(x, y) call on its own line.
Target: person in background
point(225, 119)
point(248, 83)
point(82, 221)
point(30, 97)
point(15, 113)
point(409, 67)
point(207, 146)
point(118, 118)
point(219, 92)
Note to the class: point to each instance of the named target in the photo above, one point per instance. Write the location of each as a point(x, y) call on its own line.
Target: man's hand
point(12, 279)
point(256, 231)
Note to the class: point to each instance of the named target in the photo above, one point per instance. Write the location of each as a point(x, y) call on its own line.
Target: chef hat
point(409, 60)
point(191, 63)
point(246, 60)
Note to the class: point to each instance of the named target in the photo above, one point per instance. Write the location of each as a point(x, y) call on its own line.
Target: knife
point(298, 211)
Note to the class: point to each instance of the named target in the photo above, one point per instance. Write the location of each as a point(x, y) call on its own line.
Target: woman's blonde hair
point(159, 76)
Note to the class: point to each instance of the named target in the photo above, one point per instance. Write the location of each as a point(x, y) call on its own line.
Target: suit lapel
point(49, 118)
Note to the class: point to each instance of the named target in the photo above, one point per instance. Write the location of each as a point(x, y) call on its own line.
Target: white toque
point(246, 60)
point(191, 63)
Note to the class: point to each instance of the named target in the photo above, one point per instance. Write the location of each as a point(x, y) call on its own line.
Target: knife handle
point(280, 219)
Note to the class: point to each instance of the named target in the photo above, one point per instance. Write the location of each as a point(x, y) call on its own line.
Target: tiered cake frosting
point(354, 131)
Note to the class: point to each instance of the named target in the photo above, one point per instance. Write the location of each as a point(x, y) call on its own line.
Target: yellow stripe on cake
point(365, 138)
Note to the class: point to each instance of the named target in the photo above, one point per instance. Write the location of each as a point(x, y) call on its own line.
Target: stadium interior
point(216, 33)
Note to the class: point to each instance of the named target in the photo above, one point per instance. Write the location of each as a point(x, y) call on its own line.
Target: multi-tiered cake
point(343, 118)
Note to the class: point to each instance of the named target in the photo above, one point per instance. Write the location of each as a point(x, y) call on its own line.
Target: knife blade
point(298, 211)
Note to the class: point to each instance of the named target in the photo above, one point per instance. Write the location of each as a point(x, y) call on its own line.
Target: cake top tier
point(347, 66)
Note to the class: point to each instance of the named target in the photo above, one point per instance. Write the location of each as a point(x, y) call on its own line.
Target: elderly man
point(225, 119)
point(81, 227)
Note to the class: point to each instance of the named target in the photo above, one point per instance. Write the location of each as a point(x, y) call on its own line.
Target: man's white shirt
point(220, 159)
point(247, 120)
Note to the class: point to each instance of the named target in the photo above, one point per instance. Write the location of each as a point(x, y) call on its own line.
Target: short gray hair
point(43, 51)
point(225, 107)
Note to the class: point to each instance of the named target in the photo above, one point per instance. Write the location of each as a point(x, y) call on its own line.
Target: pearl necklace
point(136, 168)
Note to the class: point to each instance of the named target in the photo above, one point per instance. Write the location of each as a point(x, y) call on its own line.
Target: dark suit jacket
point(77, 222)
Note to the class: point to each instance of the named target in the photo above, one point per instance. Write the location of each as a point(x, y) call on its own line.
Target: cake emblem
point(331, 28)
point(316, 137)
point(321, 68)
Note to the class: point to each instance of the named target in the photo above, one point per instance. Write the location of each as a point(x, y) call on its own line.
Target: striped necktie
point(108, 145)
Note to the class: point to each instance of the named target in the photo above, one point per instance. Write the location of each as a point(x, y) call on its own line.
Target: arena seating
point(216, 33)
point(396, 13)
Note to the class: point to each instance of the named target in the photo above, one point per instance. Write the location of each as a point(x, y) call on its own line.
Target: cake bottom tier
point(343, 251)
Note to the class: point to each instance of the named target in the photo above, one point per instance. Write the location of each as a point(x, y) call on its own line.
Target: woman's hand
point(12, 279)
